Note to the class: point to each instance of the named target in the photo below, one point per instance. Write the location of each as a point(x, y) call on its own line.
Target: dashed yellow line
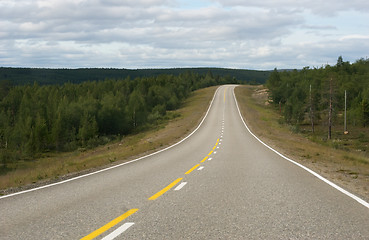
point(193, 168)
point(204, 159)
point(109, 225)
point(119, 219)
point(164, 190)
point(225, 92)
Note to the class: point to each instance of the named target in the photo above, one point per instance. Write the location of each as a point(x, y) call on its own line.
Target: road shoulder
point(326, 161)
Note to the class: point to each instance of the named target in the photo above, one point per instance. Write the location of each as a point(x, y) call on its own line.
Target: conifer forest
point(41, 118)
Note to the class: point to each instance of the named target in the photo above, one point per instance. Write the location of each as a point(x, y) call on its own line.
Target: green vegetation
point(35, 120)
point(307, 111)
point(316, 97)
point(344, 160)
point(42, 76)
point(53, 166)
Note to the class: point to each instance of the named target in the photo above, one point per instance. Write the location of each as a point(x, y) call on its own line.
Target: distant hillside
point(45, 76)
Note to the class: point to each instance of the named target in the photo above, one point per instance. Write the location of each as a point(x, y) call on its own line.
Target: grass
point(343, 160)
point(59, 166)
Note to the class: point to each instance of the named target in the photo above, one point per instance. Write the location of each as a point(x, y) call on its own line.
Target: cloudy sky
point(247, 34)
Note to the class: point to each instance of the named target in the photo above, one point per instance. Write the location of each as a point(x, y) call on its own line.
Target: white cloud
point(327, 7)
point(160, 33)
point(354, 37)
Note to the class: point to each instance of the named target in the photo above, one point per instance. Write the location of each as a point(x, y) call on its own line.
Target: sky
point(251, 34)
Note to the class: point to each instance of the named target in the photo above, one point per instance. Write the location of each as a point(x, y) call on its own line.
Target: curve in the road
point(119, 165)
point(356, 198)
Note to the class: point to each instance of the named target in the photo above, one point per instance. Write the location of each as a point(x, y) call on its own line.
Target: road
point(219, 183)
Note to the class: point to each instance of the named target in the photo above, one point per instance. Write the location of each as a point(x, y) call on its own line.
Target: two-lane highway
point(219, 183)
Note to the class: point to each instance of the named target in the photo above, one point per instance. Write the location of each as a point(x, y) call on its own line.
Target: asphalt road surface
point(219, 183)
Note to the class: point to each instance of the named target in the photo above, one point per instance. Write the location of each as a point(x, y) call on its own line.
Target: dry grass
point(345, 167)
point(65, 165)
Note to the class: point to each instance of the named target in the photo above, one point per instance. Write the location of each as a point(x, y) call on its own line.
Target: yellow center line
point(193, 168)
point(109, 225)
point(204, 159)
point(164, 190)
point(225, 93)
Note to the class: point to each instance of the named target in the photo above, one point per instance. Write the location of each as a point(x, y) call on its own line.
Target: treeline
point(35, 119)
point(45, 76)
point(314, 95)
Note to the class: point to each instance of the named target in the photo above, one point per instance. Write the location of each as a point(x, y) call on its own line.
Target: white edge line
point(180, 186)
point(361, 201)
point(119, 165)
point(118, 231)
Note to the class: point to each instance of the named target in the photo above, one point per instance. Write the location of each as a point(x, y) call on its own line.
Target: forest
point(46, 76)
point(317, 96)
point(35, 119)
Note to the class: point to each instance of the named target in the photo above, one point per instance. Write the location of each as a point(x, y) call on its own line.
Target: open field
point(341, 161)
point(66, 165)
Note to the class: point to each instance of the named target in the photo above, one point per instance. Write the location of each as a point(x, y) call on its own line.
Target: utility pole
point(330, 110)
point(311, 112)
point(345, 123)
